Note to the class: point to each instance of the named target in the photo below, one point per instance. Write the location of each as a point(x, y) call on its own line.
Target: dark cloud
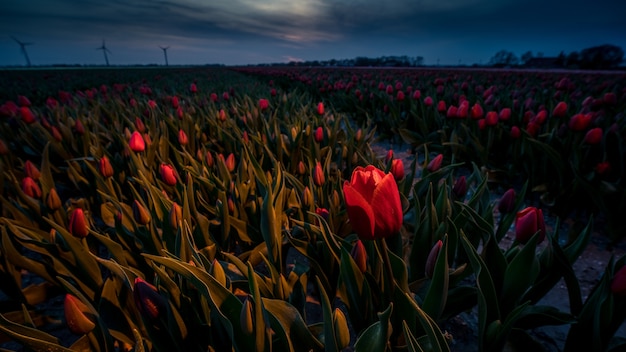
point(251, 31)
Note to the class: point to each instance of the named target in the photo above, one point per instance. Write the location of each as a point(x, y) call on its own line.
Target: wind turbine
point(23, 49)
point(104, 50)
point(164, 48)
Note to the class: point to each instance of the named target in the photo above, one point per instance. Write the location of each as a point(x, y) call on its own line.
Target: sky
point(242, 32)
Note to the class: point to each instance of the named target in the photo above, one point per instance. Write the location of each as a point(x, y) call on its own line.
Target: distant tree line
point(602, 57)
point(361, 61)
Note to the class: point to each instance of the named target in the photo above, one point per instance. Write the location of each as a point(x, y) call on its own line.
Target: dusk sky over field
point(239, 32)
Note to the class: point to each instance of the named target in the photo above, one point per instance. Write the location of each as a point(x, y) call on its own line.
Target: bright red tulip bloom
point(428, 101)
point(230, 162)
point(264, 104)
point(505, 114)
point(320, 108)
point(435, 164)
point(441, 106)
point(579, 122)
point(373, 203)
point(193, 88)
point(319, 134)
point(593, 136)
point(491, 119)
point(78, 226)
point(528, 222)
point(175, 102)
point(105, 167)
point(27, 115)
point(182, 137)
point(618, 284)
point(477, 111)
point(397, 169)
point(560, 109)
point(30, 187)
point(77, 317)
point(31, 170)
point(168, 174)
point(136, 143)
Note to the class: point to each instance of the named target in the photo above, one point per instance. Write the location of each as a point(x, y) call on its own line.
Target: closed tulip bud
point(507, 202)
point(460, 187)
point(441, 106)
point(593, 136)
point(359, 135)
point(53, 202)
point(176, 215)
point(78, 320)
point(4, 148)
point(31, 170)
point(435, 164)
point(505, 114)
point(27, 115)
point(432, 259)
point(78, 226)
point(560, 109)
point(168, 174)
point(579, 122)
point(139, 125)
point(389, 156)
point(30, 187)
point(335, 201)
point(452, 112)
point(618, 284)
point(210, 161)
point(23, 101)
point(318, 175)
point(217, 271)
point(148, 300)
point(140, 213)
point(264, 104)
point(301, 168)
point(477, 111)
point(428, 101)
point(515, 132)
point(319, 135)
point(182, 137)
point(175, 102)
point(491, 119)
point(79, 127)
point(603, 167)
point(246, 317)
point(307, 197)
point(105, 167)
point(56, 134)
point(397, 169)
point(400, 96)
point(136, 143)
point(230, 162)
point(528, 222)
point(320, 108)
point(342, 333)
point(221, 115)
point(359, 254)
point(323, 212)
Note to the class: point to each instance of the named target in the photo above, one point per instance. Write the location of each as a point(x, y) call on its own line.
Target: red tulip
point(397, 169)
point(152, 104)
point(441, 106)
point(373, 203)
point(452, 111)
point(507, 202)
point(168, 174)
point(4, 148)
point(491, 119)
point(213, 97)
point(460, 187)
point(230, 162)
point(618, 284)
point(431, 260)
point(175, 102)
point(417, 94)
point(560, 109)
point(27, 115)
point(528, 222)
point(389, 156)
point(193, 88)
point(77, 316)
point(78, 224)
point(319, 134)
point(31, 170)
point(148, 300)
point(400, 96)
point(53, 202)
point(23, 101)
point(609, 98)
point(140, 213)
point(105, 168)
point(139, 125)
point(323, 212)
point(182, 137)
point(359, 254)
point(515, 132)
point(428, 101)
point(505, 114)
point(318, 175)
point(221, 115)
point(320, 108)
point(30, 187)
point(137, 144)
point(579, 122)
point(435, 164)
point(593, 136)
point(176, 215)
point(603, 167)
point(78, 127)
point(477, 111)
point(263, 104)
point(462, 110)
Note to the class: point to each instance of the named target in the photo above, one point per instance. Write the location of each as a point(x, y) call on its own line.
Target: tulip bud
point(168, 174)
point(342, 333)
point(230, 162)
point(246, 317)
point(307, 197)
point(397, 169)
point(182, 137)
point(528, 222)
point(389, 156)
point(359, 254)
point(618, 284)
point(432, 259)
point(359, 135)
point(263, 104)
point(105, 168)
point(78, 226)
point(4, 148)
point(137, 144)
point(30, 187)
point(593, 136)
point(139, 125)
point(318, 175)
point(53, 202)
point(210, 161)
point(217, 271)
point(323, 212)
point(477, 111)
point(460, 187)
point(435, 164)
point(23, 101)
point(560, 109)
point(603, 167)
point(31, 170)
point(176, 215)
point(320, 108)
point(140, 214)
point(148, 300)
point(319, 134)
point(507, 202)
point(515, 132)
point(76, 315)
point(27, 115)
point(221, 115)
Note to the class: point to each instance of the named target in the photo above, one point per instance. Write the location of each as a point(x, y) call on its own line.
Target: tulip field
point(249, 208)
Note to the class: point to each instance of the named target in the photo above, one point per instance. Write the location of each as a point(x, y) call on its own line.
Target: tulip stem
point(390, 280)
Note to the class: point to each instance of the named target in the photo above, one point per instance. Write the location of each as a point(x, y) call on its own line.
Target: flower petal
point(387, 207)
point(358, 208)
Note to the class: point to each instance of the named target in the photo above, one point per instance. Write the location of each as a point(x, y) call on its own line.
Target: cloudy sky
point(236, 32)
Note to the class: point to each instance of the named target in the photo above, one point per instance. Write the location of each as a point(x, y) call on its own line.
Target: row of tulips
point(228, 222)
